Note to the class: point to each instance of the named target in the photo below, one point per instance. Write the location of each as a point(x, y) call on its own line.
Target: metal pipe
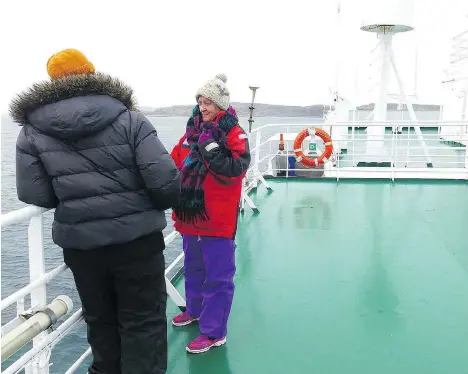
point(51, 338)
point(39, 322)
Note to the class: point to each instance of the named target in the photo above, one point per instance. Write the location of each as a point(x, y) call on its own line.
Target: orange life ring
point(312, 161)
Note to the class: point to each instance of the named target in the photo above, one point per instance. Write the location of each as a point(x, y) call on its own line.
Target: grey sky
point(166, 49)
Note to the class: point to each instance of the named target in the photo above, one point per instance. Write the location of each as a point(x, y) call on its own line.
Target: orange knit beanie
point(68, 62)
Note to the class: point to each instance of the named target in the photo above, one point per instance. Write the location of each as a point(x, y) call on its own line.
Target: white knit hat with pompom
point(216, 90)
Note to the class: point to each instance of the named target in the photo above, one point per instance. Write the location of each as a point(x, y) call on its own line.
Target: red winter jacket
point(222, 185)
point(180, 151)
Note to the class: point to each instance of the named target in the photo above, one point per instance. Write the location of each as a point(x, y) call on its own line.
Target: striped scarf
point(191, 207)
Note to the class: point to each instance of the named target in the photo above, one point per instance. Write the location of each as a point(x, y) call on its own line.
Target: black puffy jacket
point(84, 151)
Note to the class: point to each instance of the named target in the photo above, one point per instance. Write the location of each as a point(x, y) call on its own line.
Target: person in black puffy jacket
point(85, 151)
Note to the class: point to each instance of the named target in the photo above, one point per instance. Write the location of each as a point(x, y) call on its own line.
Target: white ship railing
point(36, 360)
point(404, 151)
point(409, 156)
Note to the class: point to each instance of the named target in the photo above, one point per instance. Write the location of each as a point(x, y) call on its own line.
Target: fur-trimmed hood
point(72, 106)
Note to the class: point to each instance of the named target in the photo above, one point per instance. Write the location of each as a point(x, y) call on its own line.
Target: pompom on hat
point(215, 89)
point(68, 62)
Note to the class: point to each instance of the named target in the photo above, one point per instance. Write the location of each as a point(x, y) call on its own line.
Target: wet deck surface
point(355, 277)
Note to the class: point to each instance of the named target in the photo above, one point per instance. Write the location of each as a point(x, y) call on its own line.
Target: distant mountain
point(242, 109)
point(145, 109)
point(266, 110)
point(270, 110)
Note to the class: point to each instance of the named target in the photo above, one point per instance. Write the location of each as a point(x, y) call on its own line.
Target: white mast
point(387, 18)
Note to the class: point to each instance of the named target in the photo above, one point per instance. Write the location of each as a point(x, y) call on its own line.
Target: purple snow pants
point(209, 288)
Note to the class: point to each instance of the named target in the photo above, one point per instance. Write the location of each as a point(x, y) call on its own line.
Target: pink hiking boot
point(183, 319)
point(203, 344)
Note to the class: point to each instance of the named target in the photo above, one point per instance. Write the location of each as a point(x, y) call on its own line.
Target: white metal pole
point(380, 112)
point(175, 295)
point(20, 215)
point(40, 365)
point(40, 281)
point(409, 106)
point(78, 362)
point(376, 133)
point(258, 142)
point(463, 128)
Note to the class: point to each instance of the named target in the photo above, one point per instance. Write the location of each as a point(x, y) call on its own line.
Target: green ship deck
point(349, 277)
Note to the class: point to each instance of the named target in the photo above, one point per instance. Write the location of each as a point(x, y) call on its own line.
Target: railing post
point(392, 166)
point(408, 144)
point(258, 141)
point(270, 159)
point(242, 201)
point(270, 164)
point(40, 364)
point(466, 158)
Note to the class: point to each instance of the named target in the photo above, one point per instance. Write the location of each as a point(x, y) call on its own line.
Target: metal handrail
point(46, 278)
point(28, 213)
point(367, 123)
point(400, 152)
point(79, 362)
point(19, 215)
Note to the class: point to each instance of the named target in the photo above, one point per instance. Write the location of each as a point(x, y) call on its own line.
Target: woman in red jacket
point(206, 216)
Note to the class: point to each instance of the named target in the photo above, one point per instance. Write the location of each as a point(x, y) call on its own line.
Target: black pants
point(123, 294)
